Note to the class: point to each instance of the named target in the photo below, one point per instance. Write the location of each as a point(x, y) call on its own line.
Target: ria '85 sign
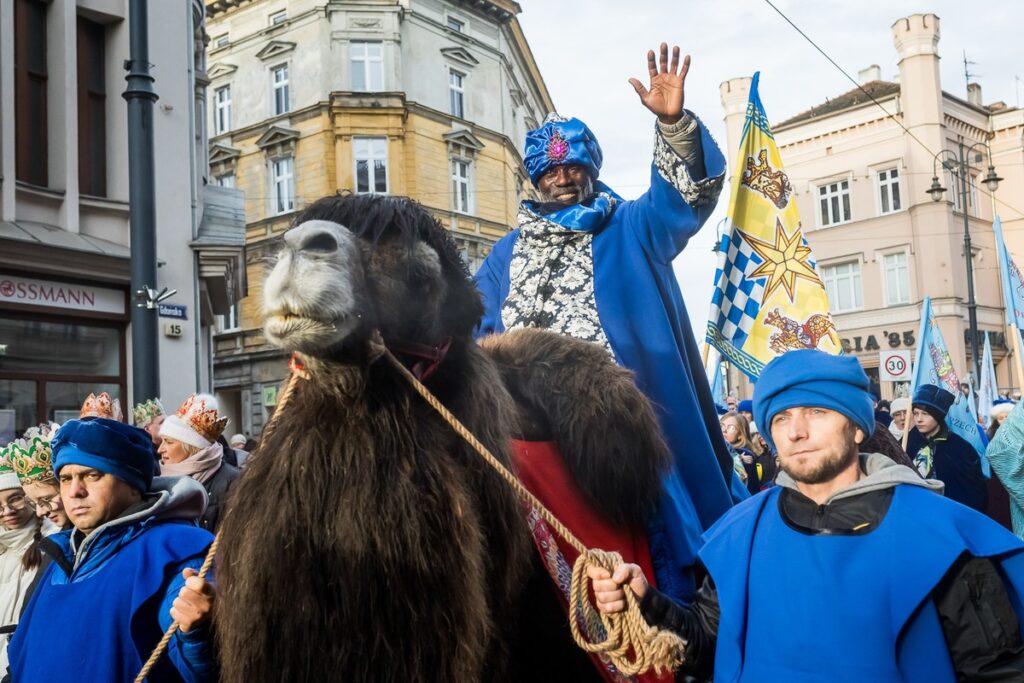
point(895, 366)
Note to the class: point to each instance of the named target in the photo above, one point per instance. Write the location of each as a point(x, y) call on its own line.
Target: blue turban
point(559, 142)
point(109, 446)
point(813, 379)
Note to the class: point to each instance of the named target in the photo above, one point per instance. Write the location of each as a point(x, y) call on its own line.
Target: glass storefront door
point(48, 365)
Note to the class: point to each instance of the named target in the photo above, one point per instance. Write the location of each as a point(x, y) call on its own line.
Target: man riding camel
point(588, 264)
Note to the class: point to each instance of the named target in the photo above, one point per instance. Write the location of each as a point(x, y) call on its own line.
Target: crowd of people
point(111, 519)
point(930, 448)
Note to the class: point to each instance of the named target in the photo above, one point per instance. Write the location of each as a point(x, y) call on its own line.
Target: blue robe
point(102, 622)
point(642, 315)
point(803, 608)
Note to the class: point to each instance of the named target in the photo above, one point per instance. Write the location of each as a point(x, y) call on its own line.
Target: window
point(371, 164)
point(222, 110)
point(226, 180)
point(220, 41)
point(889, 190)
point(897, 279)
point(842, 284)
point(953, 189)
point(92, 116)
point(30, 106)
point(278, 17)
point(282, 184)
point(461, 193)
point(367, 63)
point(231, 321)
point(456, 93)
point(279, 88)
point(456, 24)
point(834, 200)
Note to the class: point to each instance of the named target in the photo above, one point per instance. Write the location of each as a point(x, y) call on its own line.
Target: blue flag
point(717, 380)
point(933, 365)
point(1011, 279)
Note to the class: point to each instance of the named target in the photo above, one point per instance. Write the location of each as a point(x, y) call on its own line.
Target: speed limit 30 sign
point(894, 366)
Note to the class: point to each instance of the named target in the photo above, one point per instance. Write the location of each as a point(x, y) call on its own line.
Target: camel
point(366, 541)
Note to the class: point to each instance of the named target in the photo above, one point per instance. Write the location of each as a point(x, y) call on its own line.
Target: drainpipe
point(142, 206)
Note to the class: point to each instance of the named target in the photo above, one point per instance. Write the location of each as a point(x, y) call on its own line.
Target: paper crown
point(102, 406)
point(202, 420)
point(30, 457)
point(144, 413)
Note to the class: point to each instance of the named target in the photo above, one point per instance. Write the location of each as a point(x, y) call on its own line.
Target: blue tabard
point(845, 608)
point(103, 627)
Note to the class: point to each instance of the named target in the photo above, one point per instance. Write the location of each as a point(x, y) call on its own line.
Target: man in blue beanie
point(586, 263)
point(940, 454)
point(853, 568)
point(123, 573)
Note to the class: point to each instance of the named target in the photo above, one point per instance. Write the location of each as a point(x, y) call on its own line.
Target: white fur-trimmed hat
point(1000, 409)
point(196, 423)
point(898, 405)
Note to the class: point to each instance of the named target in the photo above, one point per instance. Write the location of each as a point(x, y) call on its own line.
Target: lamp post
point(958, 163)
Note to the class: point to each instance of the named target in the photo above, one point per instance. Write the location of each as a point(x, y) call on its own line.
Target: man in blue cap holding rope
point(123, 573)
point(586, 263)
point(853, 568)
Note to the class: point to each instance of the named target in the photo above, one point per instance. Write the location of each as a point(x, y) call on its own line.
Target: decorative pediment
point(464, 138)
point(275, 136)
point(223, 154)
point(460, 55)
point(221, 69)
point(275, 49)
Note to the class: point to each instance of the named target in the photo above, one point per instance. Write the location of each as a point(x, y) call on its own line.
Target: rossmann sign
point(52, 294)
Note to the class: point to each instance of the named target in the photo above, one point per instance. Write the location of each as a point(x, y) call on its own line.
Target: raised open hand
point(665, 96)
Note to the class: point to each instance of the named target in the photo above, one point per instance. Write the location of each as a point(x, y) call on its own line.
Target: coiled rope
point(631, 644)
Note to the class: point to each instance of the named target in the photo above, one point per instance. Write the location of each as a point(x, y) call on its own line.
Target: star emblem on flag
point(785, 261)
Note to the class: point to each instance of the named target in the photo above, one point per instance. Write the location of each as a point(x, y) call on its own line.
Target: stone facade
point(439, 93)
point(880, 255)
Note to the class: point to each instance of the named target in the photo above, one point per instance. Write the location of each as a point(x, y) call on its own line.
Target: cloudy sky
point(587, 49)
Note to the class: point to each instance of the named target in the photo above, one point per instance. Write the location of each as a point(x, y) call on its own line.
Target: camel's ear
point(464, 308)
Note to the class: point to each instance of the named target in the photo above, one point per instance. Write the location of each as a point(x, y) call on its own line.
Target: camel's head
point(356, 263)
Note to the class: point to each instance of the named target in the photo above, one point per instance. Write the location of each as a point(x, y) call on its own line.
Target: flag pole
point(1016, 354)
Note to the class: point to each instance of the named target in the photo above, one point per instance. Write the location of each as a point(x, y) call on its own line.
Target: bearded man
point(586, 263)
point(852, 569)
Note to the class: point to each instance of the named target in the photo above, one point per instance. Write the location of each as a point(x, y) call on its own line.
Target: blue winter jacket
point(105, 601)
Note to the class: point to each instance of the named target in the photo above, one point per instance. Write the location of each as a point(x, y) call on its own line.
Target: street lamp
point(959, 165)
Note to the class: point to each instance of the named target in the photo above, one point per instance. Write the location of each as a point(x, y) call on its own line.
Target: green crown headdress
point(30, 457)
point(144, 413)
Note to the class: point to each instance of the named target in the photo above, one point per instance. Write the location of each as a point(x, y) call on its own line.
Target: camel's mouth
point(295, 331)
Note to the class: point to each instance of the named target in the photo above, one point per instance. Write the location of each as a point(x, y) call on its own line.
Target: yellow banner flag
point(768, 296)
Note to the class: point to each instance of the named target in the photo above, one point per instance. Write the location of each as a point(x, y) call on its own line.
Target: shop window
point(47, 368)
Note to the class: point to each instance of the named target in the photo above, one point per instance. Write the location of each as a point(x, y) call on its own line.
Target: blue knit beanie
point(813, 379)
point(108, 446)
point(559, 142)
point(745, 406)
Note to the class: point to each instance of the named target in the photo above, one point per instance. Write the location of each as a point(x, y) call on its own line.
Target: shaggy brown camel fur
point(366, 541)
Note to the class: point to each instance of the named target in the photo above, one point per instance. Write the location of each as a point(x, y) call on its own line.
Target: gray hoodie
point(880, 472)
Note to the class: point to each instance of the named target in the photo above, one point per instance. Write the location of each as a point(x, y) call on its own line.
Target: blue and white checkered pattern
point(737, 299)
